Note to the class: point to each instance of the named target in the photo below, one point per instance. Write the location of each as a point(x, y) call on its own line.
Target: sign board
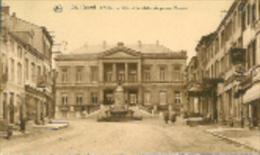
point(238, 55)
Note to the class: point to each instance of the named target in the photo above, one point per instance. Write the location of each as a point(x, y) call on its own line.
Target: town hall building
point(151, 75)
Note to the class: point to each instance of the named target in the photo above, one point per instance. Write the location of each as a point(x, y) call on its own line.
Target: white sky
point(175, 29)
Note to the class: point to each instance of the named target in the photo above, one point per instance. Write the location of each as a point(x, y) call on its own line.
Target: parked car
point(5, 129)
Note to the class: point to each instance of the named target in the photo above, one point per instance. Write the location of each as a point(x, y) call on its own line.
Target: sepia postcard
point(130, 77)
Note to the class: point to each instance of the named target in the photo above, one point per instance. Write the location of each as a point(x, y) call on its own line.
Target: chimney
point(14, 14)
point(157, 42)
point(5, 9)
point(120, 44)
point(139, 43)
point(104, 44)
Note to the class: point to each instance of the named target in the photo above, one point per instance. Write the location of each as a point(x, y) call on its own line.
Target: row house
point(26, 74)
point(229, 58)
point(151, 75)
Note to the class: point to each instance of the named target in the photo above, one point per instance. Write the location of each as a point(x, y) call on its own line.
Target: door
point(255, 117)
point(162, 98)
point(147, 98)
point(133, 99)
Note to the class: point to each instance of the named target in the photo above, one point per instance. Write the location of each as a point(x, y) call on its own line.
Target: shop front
point(251, 101)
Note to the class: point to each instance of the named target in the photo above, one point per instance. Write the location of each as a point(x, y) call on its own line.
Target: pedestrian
point(166, 116)
point(22, 125)
point(173, 116)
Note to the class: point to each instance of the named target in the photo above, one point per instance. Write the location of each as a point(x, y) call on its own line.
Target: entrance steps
point(137, 112)
point(98, 113)
point(141, 113)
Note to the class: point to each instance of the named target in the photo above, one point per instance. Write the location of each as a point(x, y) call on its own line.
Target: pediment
point(120, 53)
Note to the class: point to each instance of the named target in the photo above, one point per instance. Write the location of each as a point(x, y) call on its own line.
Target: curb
point(231, 140)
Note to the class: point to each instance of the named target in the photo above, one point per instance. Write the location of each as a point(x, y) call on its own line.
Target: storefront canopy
point(252, 94)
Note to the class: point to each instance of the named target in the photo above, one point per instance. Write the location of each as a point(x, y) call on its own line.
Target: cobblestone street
point(147, 136)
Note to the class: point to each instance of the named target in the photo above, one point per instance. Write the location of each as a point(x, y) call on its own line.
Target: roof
point(144, 50)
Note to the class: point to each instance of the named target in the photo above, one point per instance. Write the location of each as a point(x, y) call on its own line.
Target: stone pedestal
point(119, 111)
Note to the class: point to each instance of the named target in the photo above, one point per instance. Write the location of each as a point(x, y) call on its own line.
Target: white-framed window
point(79, 99)
point(176, 72)
point(147, 73)
point(79, 75)
point(19, 73)
point(162, 73)
point(64, 99)
point(26, 69)
point(33, 72)
point(162, 98)
point(177, 97)
point(94, 98)
point(109, 76)
point(64, 75)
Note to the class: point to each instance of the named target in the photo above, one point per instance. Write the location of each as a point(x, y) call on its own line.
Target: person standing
point(166, 116)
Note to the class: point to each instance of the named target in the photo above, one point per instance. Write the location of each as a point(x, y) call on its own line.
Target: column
point(114, 72)
point(101, 96)
point(101, 72)
point(139, 71)
point(126, 72)
point(140, 96)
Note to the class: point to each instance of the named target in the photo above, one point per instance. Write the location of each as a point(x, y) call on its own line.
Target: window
point(26, 71)
point(94, 73)
point(162, 73)
point(248, 14)
point(64, 75)
point(216, 69)
point(79, 75)
point(121, 75)
point(33, 72)
point(162, 98)
point(79, 99)
point(12, 69)
point(253, 12)
point(147, 73)
point(217, 45)
point(132, 76)
point(109, 76)
point(222, 39)
point(244, 20)
point(234, 21)
point(177, 72)
point(19, 73)
point(177, 97)
point(64, 99)
point(94, 98)
point(251, 55)
point(239, 19)
point(19, 52)
point(39, 71)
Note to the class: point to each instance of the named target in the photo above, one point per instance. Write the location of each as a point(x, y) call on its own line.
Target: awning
point(252, 93)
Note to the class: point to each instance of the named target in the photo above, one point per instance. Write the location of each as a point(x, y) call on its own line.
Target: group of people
point(169, 116)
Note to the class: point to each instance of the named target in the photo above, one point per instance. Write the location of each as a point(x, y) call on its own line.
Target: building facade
point(26, 76)
point(152, 77)
point(228, 64)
